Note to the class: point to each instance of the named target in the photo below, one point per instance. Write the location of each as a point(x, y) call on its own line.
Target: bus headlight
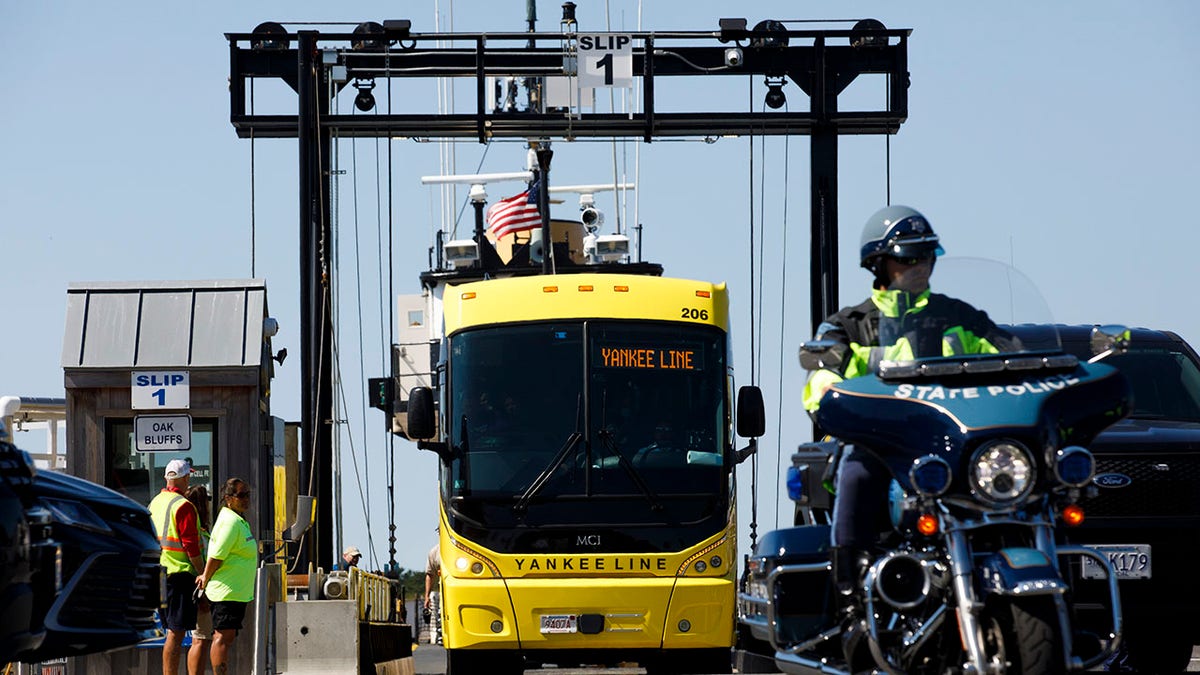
point(1002, 472)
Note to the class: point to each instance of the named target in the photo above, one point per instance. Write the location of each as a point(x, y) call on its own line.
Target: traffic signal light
point(382, 392)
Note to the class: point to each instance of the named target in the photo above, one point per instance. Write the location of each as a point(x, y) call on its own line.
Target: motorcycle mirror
point(1107, 340)
point(818, 354)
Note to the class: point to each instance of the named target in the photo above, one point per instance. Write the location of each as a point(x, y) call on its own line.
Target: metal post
point(823, 292)
point(823, 92)
point(262, 637)
point(479, 238)
point(305, 98)
point(544, 155)
point(315, 145)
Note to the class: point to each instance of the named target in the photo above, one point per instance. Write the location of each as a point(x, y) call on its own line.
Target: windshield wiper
point(610, 442)
point(538, 483)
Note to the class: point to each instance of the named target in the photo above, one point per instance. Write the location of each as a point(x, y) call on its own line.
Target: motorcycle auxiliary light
point(1002, 472)
point(930, 475)
point(1074, 466)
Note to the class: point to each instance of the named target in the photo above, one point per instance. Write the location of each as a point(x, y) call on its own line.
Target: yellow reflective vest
point(162, 511)
point(927, 324)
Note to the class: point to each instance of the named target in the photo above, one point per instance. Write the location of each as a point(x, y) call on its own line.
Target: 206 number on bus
point(694, 314)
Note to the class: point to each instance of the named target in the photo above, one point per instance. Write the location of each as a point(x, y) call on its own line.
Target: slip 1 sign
point(160, 390)
point(160, 433)
point(606, 60)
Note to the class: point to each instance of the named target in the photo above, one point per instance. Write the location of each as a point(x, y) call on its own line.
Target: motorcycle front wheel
point(1028, 633)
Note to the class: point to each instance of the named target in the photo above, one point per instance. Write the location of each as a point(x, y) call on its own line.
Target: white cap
point(177, 468)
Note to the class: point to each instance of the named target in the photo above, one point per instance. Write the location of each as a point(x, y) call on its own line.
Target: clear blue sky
point(1059, 136)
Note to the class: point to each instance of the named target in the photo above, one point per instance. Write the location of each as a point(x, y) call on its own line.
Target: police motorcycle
point(988, 455)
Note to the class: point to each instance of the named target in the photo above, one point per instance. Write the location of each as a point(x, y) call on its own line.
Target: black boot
point(847, 564)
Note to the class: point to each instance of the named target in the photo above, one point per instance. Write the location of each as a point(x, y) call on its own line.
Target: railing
point(372, 594)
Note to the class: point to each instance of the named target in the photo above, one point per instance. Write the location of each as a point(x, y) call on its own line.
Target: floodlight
point(462, 252)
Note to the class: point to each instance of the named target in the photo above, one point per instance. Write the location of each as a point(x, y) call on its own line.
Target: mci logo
point(587, 540)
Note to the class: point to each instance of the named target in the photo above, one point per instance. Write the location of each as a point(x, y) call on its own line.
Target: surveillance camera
point(733, 57)
point(592, 218)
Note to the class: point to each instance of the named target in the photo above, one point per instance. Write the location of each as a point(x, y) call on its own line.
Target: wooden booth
point(156, 371)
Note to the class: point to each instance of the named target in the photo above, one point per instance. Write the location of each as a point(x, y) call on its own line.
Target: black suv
point(79, 570)
point(1145, 509)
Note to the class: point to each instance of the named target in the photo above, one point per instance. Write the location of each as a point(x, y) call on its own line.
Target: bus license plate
point(560, 623)
point(1131, 561)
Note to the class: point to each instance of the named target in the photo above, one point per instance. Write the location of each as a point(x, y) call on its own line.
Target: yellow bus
point(586, 485)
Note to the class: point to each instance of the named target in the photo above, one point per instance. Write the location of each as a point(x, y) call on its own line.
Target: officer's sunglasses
point(913, 259)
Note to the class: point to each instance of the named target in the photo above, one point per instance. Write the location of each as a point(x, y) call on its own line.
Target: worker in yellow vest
point(176, 522)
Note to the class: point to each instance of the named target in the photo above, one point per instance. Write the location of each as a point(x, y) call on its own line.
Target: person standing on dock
point(350, 557)
point(228, 577)
point(175, 521)
point(433, 572)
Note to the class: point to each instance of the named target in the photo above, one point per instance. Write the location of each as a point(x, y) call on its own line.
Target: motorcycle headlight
point(1002, 472)
point(1074, 466)
point(930, 475)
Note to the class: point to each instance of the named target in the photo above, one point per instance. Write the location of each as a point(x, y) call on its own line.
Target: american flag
point(515, 214)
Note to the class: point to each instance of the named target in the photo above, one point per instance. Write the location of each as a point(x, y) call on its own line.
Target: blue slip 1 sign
point(161, 433)
point(606, 60)
point(160, 390)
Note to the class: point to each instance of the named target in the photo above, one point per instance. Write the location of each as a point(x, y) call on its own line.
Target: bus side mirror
point(420, 413)
point(751, 418)
point(422, 425)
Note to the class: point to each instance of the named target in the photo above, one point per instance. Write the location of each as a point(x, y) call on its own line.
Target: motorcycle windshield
point(958, 307)
point(947, 371)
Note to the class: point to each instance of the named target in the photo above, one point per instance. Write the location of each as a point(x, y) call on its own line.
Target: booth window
point(139, 475)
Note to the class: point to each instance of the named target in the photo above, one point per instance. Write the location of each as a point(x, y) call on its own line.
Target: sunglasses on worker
point(912, 259)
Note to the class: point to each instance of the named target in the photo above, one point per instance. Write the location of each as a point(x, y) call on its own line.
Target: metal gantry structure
point(318, 65)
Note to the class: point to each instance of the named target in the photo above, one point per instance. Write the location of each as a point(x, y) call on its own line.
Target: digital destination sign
point(650, 357)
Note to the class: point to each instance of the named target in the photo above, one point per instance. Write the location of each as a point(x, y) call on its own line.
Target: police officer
point(899, 248)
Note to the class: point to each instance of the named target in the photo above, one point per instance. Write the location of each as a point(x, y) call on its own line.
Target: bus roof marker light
point(587, 288)
point(621, 289)
point(549, 289)
point(469, 295)
point(703, 294)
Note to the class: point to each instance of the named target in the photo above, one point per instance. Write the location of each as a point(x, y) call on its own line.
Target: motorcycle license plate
point(560, 623)
point(1131, 561)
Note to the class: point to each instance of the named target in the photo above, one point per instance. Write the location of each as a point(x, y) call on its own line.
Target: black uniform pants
point(861, 500)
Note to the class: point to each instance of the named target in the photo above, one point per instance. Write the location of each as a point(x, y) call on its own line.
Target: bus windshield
point(551, 420)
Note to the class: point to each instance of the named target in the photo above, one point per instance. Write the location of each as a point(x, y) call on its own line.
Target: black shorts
point(228, 615)
point(180, 613)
